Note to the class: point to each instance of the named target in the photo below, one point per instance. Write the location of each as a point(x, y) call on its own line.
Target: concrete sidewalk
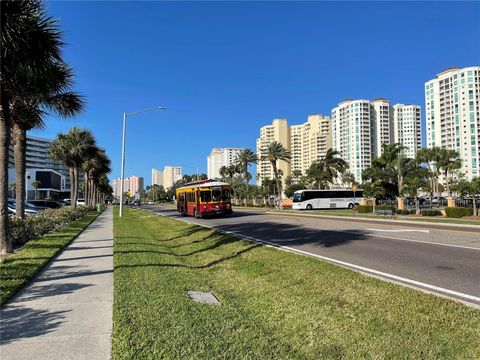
point(66, 311)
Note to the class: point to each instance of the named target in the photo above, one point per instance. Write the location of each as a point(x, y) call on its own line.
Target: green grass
point(275, 305)
point(18, 268)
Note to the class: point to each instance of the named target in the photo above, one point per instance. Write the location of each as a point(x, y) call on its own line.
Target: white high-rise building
point(452, 115)
point(220, 157)
point(310, 141)
point(279, 131)
point(352, 134)
point(407, 128)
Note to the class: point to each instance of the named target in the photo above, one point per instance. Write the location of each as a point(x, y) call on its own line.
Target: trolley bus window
point(225, 195)
point(216, 195)
point(205, 196)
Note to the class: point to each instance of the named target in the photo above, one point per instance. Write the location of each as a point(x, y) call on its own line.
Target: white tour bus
point(325, 199)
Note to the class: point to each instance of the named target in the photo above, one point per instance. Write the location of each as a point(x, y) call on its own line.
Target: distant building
point(407, 128)
point(52, 183)
point(453, 115)
point(220, 157)
point(169, 176)
point(132, 184)
point(279, 131)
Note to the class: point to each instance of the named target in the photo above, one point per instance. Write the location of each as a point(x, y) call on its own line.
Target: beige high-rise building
point(166, 178)
point(279, 131)
point(136, 184)
point(310, 141)
point(452, 115)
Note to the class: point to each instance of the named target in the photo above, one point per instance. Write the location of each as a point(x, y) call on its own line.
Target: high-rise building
point(381, 117)
point(352, 134)
point(407, 128)
point(136, 184)
point(157, 177)
point(220, 157)
point(116, 185)
point(453, 115)
point(166, 178)
point(310, 141)
point(279, 131)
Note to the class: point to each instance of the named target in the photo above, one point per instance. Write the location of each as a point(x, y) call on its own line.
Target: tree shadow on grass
point(19, 322)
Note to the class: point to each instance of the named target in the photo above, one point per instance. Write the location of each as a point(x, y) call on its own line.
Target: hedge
point(458, 212)
point(431, 212)
point(365, 209)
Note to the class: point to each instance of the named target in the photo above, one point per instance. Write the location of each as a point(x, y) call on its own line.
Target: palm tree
point(447, 162)
point(244, 158)
point(223, 172)
point(94, 168)
point(348, 178)
point(73, 148)
point(416, 179)
point(275, 152)
point(231, 171)
point(36, 184)
point(30, 42)
point(27, 113)
point(327, 169)
point(13, 187)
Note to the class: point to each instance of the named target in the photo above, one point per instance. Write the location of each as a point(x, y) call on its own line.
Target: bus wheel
point(350, 206)
point(195, 215)
point(309, 207)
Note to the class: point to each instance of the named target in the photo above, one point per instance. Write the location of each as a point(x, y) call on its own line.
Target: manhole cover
point(203, 297)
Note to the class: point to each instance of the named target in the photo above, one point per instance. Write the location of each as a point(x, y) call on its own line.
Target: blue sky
point(224, 69)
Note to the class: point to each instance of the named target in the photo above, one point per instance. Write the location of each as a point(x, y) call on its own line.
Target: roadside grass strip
point(274, 304)
point(18, 268)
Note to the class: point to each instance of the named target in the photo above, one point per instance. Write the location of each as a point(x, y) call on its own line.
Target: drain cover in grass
point(203, 297)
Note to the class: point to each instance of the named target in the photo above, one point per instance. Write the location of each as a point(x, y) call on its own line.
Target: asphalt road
point(442, 260)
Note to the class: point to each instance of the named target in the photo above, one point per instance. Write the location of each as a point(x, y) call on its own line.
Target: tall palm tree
point(328, 168)
point(30, 41)
point(244, 158)
point(94, 168)
point(27, 113)
point(223, 172)
point(277, 152)
point(73, 148)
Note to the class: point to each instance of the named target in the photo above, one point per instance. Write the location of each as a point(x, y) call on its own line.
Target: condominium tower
point(166, 178)
point(352, 134)
point(452, 115)
point(407, 128)
point(220, 157)
point(279, 131)
point(310, 141)
point(132, 184)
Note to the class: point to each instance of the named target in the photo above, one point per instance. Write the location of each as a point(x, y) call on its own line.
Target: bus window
point(296, 197)
point(205, 196)
point(225, 195)
point(216, 195)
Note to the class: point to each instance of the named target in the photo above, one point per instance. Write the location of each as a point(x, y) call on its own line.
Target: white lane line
point(401, 230)
point(415, 283)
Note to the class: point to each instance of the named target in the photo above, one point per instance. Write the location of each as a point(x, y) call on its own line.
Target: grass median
point(18, 268)
point(275, 305)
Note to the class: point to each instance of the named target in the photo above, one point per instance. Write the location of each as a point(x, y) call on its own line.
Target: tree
point(348, 178)
point(223, 171)
point(428, 156)
point(327, 169)
point(27, 113)
point(373, 189)
point(244, 158)
point(73, 148)
point(416, 180)
point(290, 190)
point(36, 184)
point(94, 167)
point(448, 161)
point(13, 187)
point(30, 42)
point(470, 188)
point(275, 152)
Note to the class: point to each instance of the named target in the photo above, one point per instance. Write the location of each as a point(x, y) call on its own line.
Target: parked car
point(30, 209)
point(46, 203)
point(150, 202)
point(80, 201)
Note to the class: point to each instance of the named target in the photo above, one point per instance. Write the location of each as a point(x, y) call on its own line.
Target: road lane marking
point(417, 284)
point(401, 230)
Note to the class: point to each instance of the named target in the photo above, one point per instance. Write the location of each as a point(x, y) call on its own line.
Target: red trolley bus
point(204, 198)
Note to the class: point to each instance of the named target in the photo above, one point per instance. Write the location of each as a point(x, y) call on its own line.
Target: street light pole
point(120, 213)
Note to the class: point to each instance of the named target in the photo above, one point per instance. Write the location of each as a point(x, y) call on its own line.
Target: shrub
point(404, 212)
point(431, 212)
point(48, 220)
point(365, 209)
point(458, 212)
point(412, 212)
point(385, 207)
